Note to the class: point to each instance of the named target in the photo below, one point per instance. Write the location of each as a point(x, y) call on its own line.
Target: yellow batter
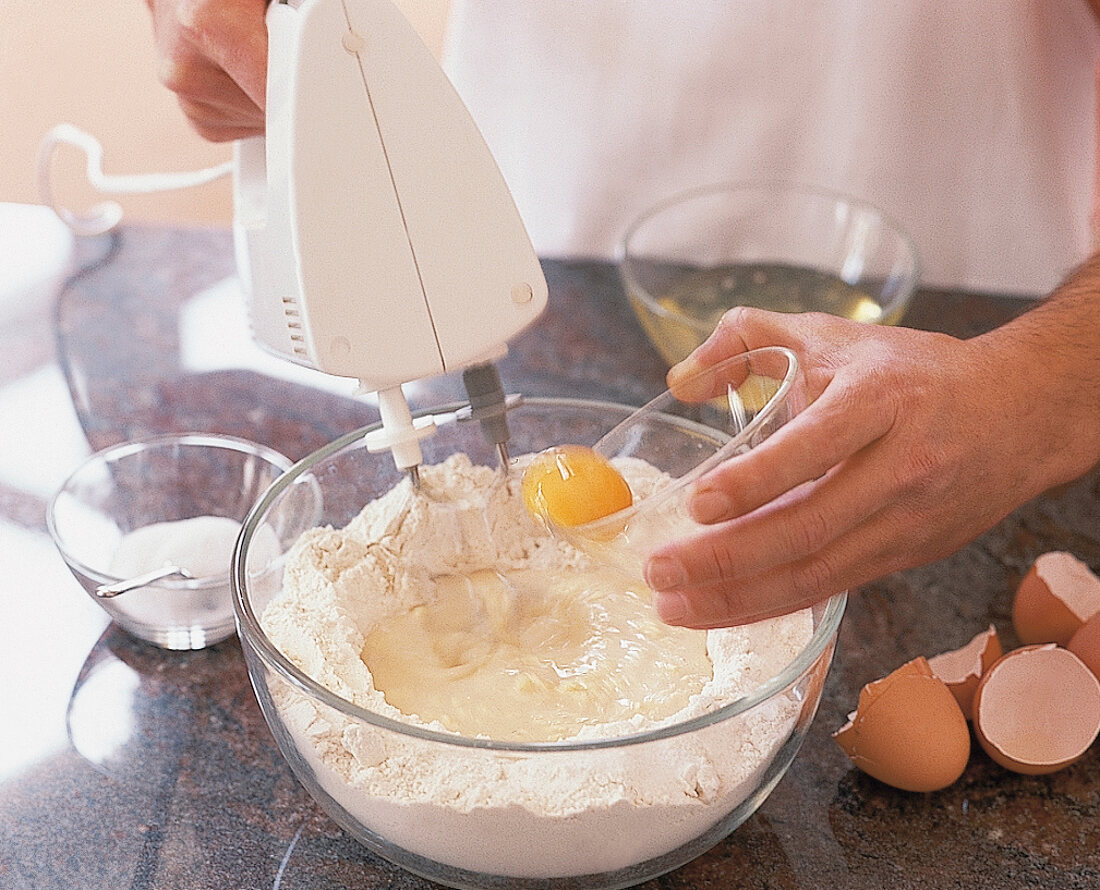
point(535, 655)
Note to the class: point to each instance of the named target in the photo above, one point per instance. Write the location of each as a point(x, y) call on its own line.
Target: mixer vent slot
point(293, 317)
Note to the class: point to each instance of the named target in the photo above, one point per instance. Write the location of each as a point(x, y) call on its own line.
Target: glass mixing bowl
point(141, 485)
point(481, 813)
point(787, 248)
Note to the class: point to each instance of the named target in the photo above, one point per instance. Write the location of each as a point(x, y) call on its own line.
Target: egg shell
point(1037, 709)
point(908, 730)
point(1085, 644)
point(1058, 594)
point(961, 669)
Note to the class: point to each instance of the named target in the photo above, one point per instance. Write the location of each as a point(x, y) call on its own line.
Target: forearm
point(1050, 356)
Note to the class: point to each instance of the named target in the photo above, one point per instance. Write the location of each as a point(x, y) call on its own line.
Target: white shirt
point(973, 124)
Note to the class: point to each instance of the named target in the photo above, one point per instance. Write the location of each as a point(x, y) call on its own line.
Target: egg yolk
point(572, 484)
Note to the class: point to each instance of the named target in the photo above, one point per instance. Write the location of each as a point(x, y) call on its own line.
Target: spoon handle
point(106, 591)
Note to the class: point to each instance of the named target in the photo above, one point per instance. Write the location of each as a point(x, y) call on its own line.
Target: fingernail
point(671, 607)
point(709, 505)
point(663, 572)
point(681, 371)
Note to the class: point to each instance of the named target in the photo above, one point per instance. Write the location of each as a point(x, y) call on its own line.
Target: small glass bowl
point(690, 258)
point(542, 835)
point(163, 479)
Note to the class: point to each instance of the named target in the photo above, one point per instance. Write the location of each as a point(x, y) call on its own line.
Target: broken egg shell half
point(961, 669)
point(1037, 709)
point(908, 730)
point(1058, 594)
point(1085, 644)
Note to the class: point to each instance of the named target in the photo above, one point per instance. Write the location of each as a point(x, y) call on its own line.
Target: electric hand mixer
point(376, 237)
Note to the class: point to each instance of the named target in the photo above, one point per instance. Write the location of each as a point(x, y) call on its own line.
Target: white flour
point(540, 814)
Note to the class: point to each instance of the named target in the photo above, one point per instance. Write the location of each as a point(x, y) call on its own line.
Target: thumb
point(740, 330)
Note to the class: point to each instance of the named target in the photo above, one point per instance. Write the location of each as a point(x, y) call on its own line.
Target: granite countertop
point(122, 765)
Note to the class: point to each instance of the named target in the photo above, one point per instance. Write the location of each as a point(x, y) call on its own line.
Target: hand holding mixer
point(376, 238)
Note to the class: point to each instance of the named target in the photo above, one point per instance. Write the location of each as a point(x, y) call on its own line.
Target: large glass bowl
point(544, 836)
point(788, 248)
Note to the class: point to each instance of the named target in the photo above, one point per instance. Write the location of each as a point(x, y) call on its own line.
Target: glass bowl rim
point(219, 441)
point(623, 256)
point(253, 635)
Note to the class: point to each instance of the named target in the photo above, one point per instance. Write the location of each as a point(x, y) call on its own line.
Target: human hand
point(913, 444)
point(213, 55)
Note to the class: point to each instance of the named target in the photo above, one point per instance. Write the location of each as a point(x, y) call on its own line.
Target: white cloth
point(973, 124)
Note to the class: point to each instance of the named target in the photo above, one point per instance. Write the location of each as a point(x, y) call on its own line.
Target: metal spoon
point(106, 591)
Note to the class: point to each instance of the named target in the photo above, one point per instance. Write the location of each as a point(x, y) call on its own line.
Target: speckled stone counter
point(122, 765)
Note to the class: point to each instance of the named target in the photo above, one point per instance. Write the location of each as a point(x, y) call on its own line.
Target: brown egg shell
point(1058, 594)
point(1085, 644)
point(908, 730)
point(961, 669)
point(1037, 709)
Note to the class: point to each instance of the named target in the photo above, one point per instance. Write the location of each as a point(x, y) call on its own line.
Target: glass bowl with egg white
point(784, 247)
point(477, 697)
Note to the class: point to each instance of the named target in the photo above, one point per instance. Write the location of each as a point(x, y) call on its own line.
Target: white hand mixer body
point(376, 238)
